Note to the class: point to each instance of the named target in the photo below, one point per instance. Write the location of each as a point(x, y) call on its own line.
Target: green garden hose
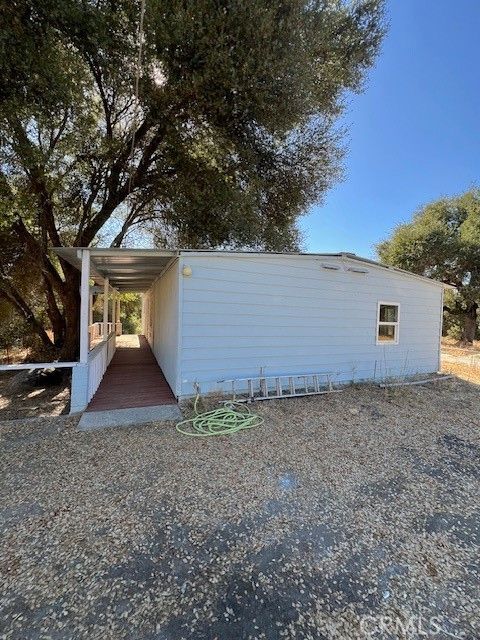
point(219, 422)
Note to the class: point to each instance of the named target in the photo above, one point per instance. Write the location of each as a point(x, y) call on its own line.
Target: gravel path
point(346, 516)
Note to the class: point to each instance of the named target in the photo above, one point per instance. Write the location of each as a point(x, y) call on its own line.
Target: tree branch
point(48, 270)
point(56, 318)
point(54, 138)
point(118, 192)
point(107, 109)
point(36, 175)
point(132, 218)
point(9, 293)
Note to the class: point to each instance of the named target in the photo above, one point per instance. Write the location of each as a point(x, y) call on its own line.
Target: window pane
point(386, 333)
point(388, 313)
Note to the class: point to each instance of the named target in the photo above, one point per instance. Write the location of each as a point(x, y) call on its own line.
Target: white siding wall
point(147, 316)
point(289, 315)
point(165, 297)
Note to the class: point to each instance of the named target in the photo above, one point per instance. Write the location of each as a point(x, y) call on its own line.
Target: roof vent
point(357, 270)
point(330, 267)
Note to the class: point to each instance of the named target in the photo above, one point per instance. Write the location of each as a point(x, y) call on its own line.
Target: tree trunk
point(56, 318)
point(470, 323)
point(71, 316)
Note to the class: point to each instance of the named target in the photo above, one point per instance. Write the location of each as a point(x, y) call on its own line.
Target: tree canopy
point(213, 125)
point(443, 242)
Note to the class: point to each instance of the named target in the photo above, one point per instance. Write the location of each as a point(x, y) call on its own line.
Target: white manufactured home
point(211, 316)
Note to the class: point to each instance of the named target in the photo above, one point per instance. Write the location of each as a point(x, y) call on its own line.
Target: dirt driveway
point(346, 516)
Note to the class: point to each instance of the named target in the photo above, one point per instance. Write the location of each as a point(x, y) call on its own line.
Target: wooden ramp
point(133, 379)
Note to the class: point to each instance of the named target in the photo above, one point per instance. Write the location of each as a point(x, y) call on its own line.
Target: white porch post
point(84, 304)
point(90, 315)
point(118, 325)
point(105, 308)
point(142, 317)
point(79, 394)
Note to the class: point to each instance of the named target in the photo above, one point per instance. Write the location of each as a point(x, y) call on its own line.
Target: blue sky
point(414, 134)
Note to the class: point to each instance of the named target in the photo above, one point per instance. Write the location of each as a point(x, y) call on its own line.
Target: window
point(387, 322)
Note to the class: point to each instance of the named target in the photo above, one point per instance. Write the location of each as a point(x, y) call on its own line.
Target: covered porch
point(115, 372)
point(133, 378)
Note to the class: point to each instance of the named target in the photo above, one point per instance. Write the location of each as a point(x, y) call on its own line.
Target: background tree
point(131, 312)
point(12, 333)
point(443, 242)
point(220, 131)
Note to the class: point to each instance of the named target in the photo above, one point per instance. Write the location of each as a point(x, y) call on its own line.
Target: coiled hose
point(219, 422)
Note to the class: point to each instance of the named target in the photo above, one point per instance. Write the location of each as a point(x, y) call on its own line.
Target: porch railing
point(98, 360)
point(95, 331)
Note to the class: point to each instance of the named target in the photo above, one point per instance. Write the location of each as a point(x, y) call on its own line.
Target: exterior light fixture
point(187, 271)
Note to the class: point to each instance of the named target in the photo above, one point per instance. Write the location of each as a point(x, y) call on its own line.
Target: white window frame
point(388, 324)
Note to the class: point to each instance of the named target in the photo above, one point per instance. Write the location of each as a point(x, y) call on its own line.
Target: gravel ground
point(345, 516)
point(22, 396)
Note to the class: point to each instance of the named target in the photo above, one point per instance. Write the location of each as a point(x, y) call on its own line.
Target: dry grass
point(469, 372)
point(14, 355)
point(456, 348)
point(460, 360)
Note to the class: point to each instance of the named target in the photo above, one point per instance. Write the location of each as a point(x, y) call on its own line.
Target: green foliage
point(231, 137)
point(454, 321)
point(10, 335)
point(15, 334)
point(131, 312)
point(452, 326)
point(443, 242)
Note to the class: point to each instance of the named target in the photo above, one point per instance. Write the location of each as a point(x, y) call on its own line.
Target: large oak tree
point(443, 242)
point(219, 130)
